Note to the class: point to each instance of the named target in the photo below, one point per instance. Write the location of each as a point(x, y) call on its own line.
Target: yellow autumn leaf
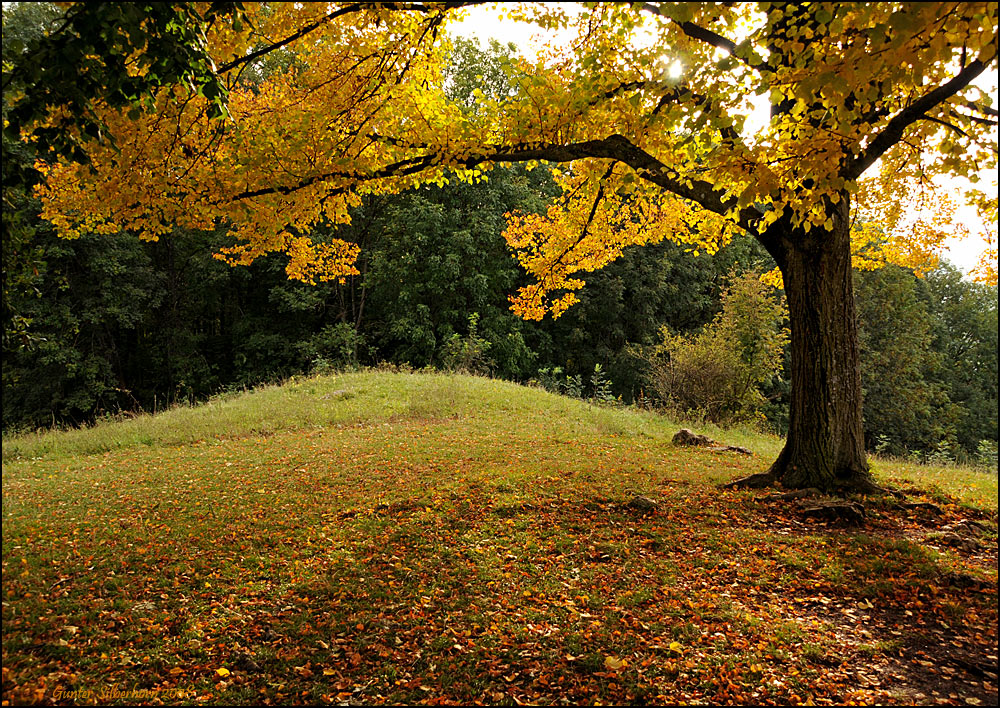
point(676, 646)
point(223, 672)
point(613, 663)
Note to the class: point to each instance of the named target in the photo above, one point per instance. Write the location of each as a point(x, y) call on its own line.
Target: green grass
point(389, 537)
point(971, 486)
point(319, 402)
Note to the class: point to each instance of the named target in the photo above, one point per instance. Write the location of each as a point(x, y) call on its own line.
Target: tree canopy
point(364, 109)
point(649, 108)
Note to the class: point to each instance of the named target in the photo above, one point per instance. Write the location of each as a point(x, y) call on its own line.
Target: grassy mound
point(402, 538)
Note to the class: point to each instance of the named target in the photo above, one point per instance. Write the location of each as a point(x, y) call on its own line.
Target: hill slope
point(380, 537)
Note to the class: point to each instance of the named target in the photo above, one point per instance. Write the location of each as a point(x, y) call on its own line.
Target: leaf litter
point(449, 563)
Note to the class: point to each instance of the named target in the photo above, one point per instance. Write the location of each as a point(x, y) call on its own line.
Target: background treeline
point(103, 324)
point(117, 324)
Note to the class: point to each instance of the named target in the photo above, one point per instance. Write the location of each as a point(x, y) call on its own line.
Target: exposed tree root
point(962, 580)
point(838, 510)
point(968, 527)
point(933, 508)
point(760, 480)
point(845, 503)
point(861, 485)
point(981, 669)
point(730, 448)
point(955, 540)
point(794, 494)
point(866, 486)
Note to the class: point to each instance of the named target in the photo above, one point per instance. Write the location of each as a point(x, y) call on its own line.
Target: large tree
point(649, 106)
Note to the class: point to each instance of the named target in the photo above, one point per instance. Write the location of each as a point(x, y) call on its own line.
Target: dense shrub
point(717, 374)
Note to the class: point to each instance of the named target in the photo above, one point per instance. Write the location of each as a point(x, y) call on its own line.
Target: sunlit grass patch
point(972, 486)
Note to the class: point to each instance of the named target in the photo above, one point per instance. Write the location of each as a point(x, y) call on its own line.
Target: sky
point(483, 24)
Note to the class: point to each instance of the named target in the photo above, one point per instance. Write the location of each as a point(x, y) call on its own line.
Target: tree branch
point(946, 124)
point(340, 12)
point(692, 30)
point(614, 147)
point(708, 36)
point(894, 129)
point(677, 94)
point(985, 110)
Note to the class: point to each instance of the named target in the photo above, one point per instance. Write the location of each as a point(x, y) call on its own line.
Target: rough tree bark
point(825, 444)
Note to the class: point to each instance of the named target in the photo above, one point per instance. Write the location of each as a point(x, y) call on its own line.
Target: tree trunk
point(825, 445)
